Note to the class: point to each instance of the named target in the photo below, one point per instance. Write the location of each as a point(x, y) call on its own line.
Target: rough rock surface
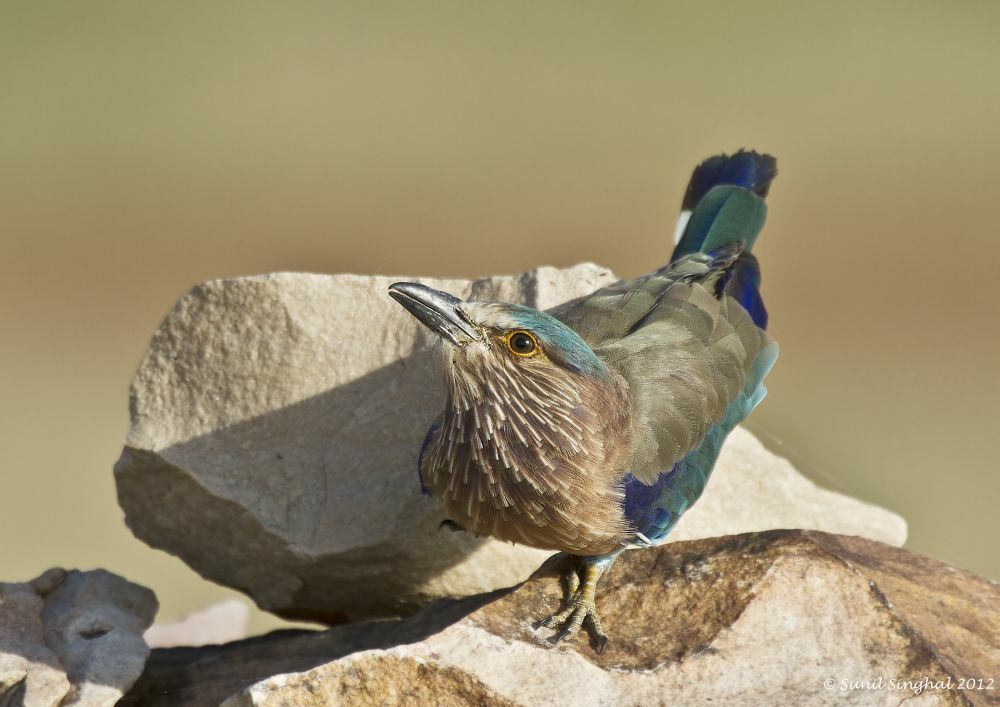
point(219, 623)
point(72, 638)
point(30, 672)
point(778, 617)
point(276, 424)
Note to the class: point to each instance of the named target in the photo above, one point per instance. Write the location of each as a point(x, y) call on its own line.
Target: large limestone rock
point(276, 424)
point(780, 617)
point(72, 638)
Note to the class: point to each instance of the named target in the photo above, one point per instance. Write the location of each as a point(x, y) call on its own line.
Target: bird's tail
point(724, 202)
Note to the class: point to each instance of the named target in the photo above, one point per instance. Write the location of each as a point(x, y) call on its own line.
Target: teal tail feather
point(724, 202)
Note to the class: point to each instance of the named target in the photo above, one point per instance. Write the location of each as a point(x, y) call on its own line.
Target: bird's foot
point(579, 606)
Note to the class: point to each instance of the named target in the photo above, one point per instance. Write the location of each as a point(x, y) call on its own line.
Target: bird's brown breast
point(548, 479)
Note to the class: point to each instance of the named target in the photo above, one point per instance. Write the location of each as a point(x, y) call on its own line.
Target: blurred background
point(145, 147)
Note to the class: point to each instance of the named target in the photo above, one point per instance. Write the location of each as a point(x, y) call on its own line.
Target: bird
point(589, 429)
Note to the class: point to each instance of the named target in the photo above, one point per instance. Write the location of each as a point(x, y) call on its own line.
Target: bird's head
point(496, 350)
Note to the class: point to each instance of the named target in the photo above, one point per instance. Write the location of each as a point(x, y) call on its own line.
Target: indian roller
point(591, 428)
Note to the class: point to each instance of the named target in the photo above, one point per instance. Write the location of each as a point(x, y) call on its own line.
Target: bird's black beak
point(438, 311)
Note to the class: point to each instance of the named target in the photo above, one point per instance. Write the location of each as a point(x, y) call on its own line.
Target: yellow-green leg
point(579, 606)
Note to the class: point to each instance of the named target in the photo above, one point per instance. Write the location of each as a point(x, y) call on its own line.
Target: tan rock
point(72, 638)
point(276, 425)
point(782, 617)
point(219, 623)
point(374, 680)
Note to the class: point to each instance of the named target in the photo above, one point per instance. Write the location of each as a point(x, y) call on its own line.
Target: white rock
point(219, 623)
point(276, 424)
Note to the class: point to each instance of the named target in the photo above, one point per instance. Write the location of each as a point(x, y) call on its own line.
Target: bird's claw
point(571, 619)
point(579, 609)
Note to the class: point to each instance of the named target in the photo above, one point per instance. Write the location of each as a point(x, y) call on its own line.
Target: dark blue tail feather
point(724, 202)
point(745, 168)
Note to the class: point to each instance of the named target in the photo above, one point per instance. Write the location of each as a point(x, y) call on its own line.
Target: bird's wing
point(614, 311)
point(695, 361)
point(654, 508)
point(688, 359)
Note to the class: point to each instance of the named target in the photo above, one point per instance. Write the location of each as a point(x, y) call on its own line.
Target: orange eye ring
point(521, 343)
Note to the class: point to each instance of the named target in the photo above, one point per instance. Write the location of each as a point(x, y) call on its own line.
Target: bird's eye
point(522, 343)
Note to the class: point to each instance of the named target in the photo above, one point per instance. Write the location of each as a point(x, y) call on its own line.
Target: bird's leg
point(579, 606)
point(572, 581)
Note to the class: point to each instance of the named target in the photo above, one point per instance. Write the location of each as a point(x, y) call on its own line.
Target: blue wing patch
point(420, 459)
point(645, 505)
point(742, 283)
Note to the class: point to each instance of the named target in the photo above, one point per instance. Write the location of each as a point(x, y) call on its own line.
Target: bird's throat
point(525, 459)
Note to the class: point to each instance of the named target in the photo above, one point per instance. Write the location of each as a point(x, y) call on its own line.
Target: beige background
point(147, 146)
